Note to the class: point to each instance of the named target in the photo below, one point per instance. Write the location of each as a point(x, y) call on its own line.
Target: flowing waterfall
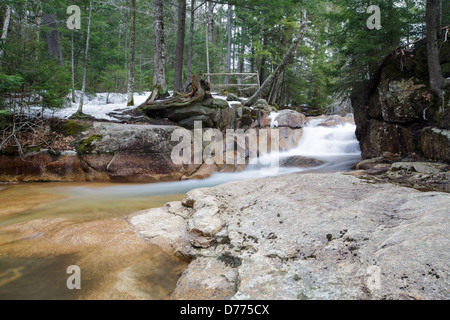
point(335, 146)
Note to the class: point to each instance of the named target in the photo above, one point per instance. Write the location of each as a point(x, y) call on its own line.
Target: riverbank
point(305, 236)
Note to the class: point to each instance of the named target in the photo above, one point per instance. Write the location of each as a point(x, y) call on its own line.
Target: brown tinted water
point(44, 228)
point(47, 227)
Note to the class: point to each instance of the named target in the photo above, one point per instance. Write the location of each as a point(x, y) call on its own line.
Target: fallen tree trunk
point(200, 91)
point(284, 62)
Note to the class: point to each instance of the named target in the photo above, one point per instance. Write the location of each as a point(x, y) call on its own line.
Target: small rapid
point(337, 147)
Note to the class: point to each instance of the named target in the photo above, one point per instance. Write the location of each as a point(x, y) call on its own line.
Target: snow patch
point(95, 105)
point(273, 117)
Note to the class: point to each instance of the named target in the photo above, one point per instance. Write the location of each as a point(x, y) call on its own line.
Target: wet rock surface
point(301, 162)
point(315, 236)
point(419, 174)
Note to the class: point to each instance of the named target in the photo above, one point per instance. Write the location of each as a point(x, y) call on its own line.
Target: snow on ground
point(230, 103)
point(218, 96)
point(96, 105)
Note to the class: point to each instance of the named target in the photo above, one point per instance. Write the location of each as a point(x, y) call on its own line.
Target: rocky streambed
point(305, 236)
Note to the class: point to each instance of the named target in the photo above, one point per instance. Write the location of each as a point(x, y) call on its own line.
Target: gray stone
point(320, 236)
point(189, 123)
point(290, 118)
point(161, 228)
point(400, 101)
point(420, 167)
point(301, 162)
point(206, 279)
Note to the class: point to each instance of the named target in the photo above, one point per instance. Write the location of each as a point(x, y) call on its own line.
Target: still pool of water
point(29, 201)
point(33, 264)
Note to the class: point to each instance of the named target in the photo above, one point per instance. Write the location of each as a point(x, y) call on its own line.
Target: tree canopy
point(338, 50)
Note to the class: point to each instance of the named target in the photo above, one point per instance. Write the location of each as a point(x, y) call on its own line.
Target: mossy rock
point(33, 149)
point(69, 128)
point(215, 103)
point(86, 145)
point(81, 116)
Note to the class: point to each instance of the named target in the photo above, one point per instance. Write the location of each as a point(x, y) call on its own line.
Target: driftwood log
point(199, 92)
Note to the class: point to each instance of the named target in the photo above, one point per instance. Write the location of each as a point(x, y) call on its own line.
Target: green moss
point(215, 103)
point(32, 149)
point(81, 116)
point(86, 146)
point(69, 128)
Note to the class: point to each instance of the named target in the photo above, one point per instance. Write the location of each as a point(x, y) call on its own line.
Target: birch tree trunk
point(159, 74)
point(210, 17)
point(228, 62)
point(287, 57)
point(72, 63)
point(130, 87)
point(191, 45)
point(38, 20)
point(127, 17)
point(179, 51)
point(209, 7)
point(208, 70)
point(86, 53)
point(5, 27)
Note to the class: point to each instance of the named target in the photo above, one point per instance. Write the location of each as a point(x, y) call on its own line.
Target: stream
point(46, 227)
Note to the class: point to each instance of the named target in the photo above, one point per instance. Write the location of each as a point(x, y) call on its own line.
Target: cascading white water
point(336, 146)
point(328, 141)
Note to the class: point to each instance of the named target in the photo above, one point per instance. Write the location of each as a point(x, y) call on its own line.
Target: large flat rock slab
point(320, 236)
